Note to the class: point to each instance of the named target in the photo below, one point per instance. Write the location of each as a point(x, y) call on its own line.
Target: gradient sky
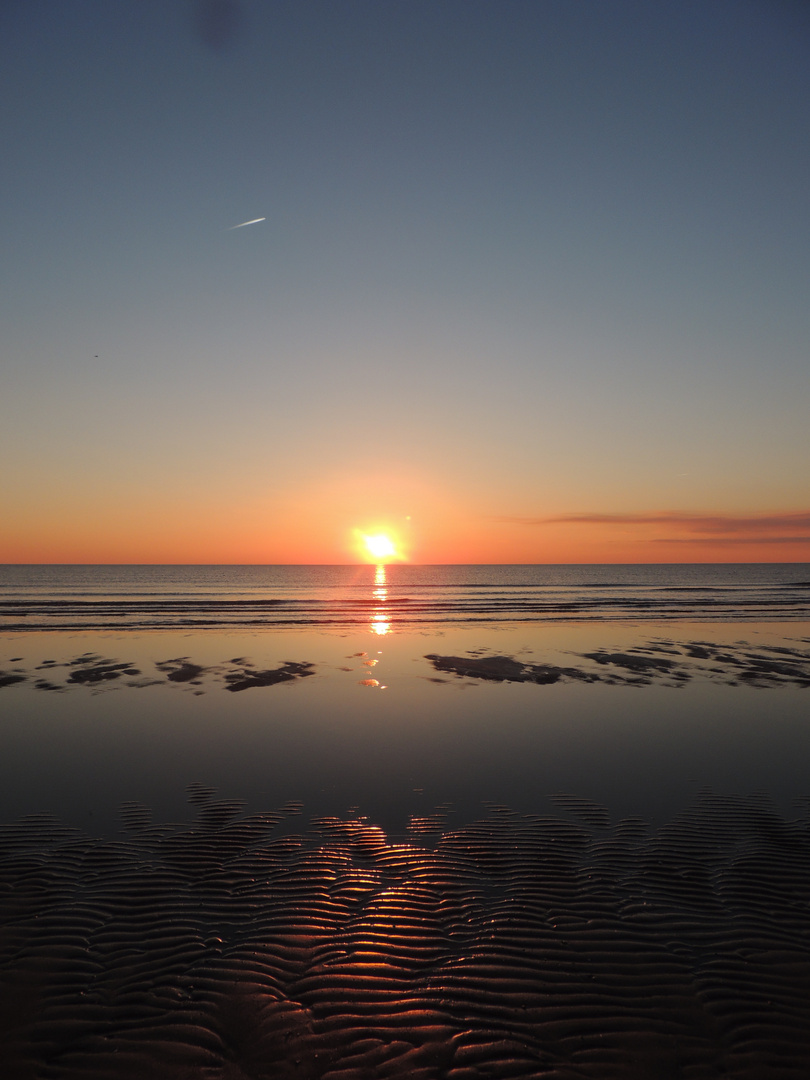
point(533, 283)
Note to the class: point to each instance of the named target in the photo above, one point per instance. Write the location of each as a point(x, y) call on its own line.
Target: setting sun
point(380, 546)
point(381, 542)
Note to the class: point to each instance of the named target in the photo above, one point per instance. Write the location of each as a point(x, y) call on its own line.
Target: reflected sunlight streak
point(379, 618)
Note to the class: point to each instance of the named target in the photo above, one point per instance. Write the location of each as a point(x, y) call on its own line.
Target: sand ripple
point(518, 946)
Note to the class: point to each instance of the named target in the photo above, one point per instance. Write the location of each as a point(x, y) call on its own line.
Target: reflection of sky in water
point(430, 739)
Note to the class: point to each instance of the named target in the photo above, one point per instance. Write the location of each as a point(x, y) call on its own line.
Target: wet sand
point(561, 939)
point(268, 946)
point(657, 661)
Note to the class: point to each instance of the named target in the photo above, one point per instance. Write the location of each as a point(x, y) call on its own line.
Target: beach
point(453, 847)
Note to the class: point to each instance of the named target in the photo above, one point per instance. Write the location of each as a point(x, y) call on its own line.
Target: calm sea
point(81, 597)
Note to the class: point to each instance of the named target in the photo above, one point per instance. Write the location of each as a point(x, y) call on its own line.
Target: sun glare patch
point(380, 546)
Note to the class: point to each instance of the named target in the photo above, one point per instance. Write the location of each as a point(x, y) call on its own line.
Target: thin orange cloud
point(730, 528)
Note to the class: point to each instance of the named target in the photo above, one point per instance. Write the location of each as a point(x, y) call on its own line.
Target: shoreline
point(678, 651)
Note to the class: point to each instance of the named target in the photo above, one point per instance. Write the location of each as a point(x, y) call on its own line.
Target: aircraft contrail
point(242, 224)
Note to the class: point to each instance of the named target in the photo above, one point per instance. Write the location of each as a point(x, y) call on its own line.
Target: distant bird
point(242, 224)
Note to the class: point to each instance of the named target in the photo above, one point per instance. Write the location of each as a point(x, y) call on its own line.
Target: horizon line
point(400, 562)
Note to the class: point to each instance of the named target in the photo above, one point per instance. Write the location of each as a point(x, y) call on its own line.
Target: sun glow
point(380, 543)
point(379, 546)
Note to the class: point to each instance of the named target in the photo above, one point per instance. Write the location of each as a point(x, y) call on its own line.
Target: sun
point(379, 546)
point(380, 543)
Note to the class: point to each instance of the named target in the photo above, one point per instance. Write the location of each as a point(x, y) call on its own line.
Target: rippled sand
point(529, 946)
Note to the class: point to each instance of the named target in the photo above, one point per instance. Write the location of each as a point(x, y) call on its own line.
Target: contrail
point(242, 224)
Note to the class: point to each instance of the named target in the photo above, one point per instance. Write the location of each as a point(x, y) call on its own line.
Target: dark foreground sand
point(563, 947)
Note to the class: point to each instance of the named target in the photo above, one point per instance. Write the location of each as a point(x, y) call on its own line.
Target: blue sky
point(521, 261)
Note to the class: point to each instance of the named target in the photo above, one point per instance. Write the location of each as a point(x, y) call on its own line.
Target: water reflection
point(380, 623)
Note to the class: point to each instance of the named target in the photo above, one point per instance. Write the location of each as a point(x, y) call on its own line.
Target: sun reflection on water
point(380, 623)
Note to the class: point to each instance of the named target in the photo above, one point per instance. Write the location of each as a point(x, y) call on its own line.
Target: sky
point(531, 284)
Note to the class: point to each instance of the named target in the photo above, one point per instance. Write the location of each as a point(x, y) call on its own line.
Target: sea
point(37, 597)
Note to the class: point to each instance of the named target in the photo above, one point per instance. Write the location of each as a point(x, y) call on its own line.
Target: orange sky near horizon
point(315, 515)
point(425, 528)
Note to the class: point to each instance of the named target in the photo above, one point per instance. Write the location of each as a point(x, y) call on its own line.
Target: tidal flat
point(556, 850)
point(637, 716)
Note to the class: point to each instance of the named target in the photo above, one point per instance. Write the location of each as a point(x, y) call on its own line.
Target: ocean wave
point(101, 598)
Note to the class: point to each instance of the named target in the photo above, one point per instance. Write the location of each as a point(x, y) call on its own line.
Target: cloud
point(731, 540)
point(706, 528)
